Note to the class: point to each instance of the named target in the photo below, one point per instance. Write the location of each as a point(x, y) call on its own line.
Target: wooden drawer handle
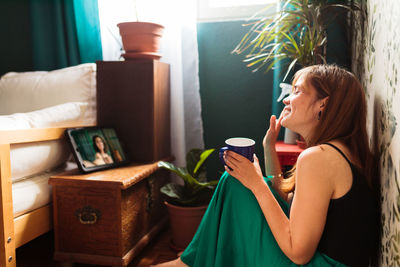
point(88, 215)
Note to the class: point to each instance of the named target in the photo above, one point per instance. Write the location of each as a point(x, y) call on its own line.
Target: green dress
point(234, 232)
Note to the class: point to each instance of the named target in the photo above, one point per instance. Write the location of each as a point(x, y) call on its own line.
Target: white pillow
point(64, 115)
point(32, 158)
point(29, 91)
point(15, 121)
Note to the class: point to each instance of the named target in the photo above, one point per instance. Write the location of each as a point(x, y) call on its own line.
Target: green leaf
point(171, 167)
point(179, 195)
point(290, 68)
point(203, 157)
point(173, 191)
point(183, 173)
point(192, 157)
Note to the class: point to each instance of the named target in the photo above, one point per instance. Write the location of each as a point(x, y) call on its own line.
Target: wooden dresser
point(134, 98)
point(107, 217)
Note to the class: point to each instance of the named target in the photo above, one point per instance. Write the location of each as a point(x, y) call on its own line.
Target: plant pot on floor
point(184, 222)
point(187, 202)
point(141, 39)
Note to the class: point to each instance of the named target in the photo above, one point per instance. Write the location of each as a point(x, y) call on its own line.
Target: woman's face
point(99, 143)
point(301, 108)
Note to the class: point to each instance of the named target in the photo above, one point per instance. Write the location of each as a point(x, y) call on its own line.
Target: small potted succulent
point(187, 202)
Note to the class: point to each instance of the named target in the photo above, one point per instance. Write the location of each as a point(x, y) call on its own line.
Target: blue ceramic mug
point(240, 145)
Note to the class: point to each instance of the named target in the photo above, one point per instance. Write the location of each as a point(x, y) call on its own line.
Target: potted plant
point(140, 39)
point(187, 202)
point(296, 35)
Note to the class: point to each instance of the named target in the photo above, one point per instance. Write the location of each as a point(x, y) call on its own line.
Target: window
point(218, 10)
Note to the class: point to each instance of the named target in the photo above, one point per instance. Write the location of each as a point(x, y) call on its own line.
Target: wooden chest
point(107, 217)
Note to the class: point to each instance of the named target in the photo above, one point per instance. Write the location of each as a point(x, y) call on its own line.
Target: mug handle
point(221, 155)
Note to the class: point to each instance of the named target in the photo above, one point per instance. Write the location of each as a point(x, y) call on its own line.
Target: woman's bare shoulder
point(324, 153)
point(315, 172)
point(313, 153)
point(319, 160)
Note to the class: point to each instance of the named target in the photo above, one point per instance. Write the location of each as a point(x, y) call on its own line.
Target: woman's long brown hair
point(344, 117)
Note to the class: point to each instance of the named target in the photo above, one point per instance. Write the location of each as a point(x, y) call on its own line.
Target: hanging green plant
point(295, 35)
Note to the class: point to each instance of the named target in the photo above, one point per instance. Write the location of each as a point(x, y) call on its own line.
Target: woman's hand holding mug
point(240, 145)
point(241, 162)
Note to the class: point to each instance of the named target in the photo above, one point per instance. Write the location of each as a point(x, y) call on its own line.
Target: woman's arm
point(108, 158)
point(272, 165)
point(298, 237)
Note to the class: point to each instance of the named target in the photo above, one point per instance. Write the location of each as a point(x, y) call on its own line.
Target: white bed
point(34, 192)
point(35, 109)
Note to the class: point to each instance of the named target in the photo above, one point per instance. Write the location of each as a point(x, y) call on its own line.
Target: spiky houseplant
point(195, 191)
point(296, 35)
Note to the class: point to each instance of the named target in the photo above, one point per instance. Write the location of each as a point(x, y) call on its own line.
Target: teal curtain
point(64, 33)
point(279, 74)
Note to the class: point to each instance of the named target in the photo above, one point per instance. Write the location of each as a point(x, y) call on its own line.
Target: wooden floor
point(39, 253)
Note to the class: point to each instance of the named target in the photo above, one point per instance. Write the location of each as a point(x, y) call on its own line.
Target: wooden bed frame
point(14, 232)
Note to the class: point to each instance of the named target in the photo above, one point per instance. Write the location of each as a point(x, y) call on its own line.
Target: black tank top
point(351, 223)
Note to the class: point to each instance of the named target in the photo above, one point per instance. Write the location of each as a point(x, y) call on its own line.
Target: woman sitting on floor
point(332, 218)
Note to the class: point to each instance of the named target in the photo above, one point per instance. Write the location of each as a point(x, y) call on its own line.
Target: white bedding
point(33, 90)
point(33, 158)
point(39, 99)
point(34, 192)
point(31, 162)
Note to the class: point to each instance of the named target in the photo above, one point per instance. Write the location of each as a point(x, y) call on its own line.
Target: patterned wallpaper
point(376, 59)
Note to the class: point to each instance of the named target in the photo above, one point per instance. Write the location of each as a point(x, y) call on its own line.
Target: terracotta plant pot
point(140, 39)
point(184, 222)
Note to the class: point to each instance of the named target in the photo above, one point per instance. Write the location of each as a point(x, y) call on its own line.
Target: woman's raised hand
point(272, 133)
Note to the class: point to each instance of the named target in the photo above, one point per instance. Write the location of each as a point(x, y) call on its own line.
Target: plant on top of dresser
point(187, 203)
point(140, 39)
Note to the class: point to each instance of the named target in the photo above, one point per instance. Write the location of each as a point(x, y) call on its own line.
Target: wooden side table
point(287, 153)
point(107, 217)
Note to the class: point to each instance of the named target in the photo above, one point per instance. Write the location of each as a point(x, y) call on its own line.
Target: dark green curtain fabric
point(64, 33)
